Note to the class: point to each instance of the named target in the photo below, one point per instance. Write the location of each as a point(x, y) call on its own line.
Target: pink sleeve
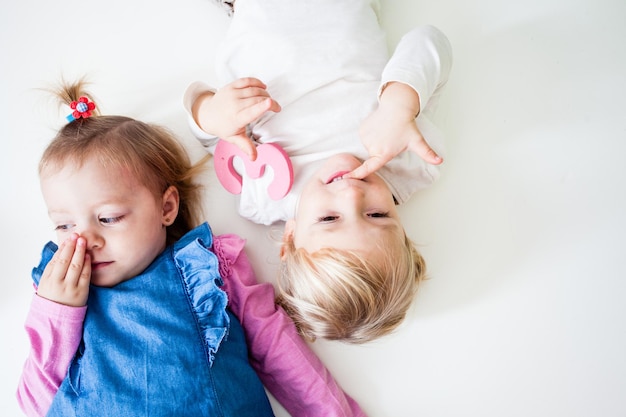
point(285, 363)
point(54, 331)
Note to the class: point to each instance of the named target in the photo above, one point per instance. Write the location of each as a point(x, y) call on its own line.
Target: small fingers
point(67, 276)
point(251, 92)
point(260, 101)
point(424, 151)
point(246, 82)
point(371, 165)
point(85, 273)
point(255, 108)
point(245, 144)
point(59, 264)
point(261, 105)
point(77, 263)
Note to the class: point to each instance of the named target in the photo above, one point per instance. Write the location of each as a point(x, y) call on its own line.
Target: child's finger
point(253, 92)
point(424, 151)
point(246, 82)
point(82, 286)
point(85, 274)
point(369, 166)
point(76, 266)
point(244, 143)
point(255, 107)
point(61, 260)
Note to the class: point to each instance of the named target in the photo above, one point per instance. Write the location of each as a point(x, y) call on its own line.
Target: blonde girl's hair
point(151, 153)
point(342, 295)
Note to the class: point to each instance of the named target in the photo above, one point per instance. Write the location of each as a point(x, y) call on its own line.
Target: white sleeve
point(422, 59)
point(192, 92)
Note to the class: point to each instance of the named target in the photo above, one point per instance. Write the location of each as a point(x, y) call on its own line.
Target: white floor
point(525, 312)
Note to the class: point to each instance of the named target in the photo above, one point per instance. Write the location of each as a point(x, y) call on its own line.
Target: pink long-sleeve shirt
point(286, 365)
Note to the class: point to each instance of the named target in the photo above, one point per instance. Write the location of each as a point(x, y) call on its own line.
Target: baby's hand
point(391, 129)
point(66, 277)
point(226, 113)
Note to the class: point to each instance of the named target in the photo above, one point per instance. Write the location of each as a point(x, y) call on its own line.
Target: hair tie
point(82, 108)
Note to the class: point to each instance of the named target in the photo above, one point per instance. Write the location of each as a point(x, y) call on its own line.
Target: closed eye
point(382, 214)
point(63, 227)
point(110, 220)
point(327, 219)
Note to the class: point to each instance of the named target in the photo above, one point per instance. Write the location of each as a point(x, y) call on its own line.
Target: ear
point(171, 201)
point(290, 226)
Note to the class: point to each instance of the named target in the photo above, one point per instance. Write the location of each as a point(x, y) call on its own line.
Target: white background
point(525, 311)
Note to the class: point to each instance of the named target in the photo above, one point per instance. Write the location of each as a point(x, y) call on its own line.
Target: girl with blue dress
point(140, 311)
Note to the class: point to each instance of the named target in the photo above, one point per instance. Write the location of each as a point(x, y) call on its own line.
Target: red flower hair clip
point(82, 108)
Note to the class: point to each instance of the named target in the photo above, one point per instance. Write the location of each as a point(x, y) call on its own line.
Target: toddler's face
point(121, 219)
point(345, 213)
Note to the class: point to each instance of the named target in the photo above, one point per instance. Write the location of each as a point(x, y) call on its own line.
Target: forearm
point(422, 60)
point(195, 97)
point(55, 332)
point(200, 107)
point(286, 365)
point(290, 370)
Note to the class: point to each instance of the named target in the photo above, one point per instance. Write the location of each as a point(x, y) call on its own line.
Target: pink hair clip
point(82, 108)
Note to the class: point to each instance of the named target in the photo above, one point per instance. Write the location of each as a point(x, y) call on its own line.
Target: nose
point(351, 199)
point(350, 190)
point(93, 238)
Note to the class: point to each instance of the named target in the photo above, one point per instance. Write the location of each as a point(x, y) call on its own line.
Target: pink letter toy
point(267, 154)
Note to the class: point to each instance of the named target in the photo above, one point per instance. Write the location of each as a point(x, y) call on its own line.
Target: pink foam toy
point(267, 154)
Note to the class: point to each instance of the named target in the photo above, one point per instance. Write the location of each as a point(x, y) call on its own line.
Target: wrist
point(199, 108)
point(402, 96)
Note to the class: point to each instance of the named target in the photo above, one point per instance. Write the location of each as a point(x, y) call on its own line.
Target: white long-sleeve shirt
point(325, 62)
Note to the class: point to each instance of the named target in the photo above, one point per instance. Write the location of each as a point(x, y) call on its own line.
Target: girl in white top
point(315, 78)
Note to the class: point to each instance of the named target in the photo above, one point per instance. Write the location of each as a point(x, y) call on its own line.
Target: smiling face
point(122, 221)
point(345, 213)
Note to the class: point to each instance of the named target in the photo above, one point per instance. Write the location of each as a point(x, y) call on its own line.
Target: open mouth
point(337, 176)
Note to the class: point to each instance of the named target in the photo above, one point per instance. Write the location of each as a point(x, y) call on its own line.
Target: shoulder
point(228, 248)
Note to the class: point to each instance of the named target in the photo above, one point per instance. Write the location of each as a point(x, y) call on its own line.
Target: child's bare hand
point(391, 129)
point(226, 113)
point(66, 278)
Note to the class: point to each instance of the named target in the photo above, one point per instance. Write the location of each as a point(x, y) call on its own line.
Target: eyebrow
point(104, 203)
point(57, 213)
point(386, 224)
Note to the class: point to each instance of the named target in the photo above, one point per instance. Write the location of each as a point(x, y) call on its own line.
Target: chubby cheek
point(155, 238)
point(304, 240)
point(61, 236)
point(310, 206)
point(298, 234)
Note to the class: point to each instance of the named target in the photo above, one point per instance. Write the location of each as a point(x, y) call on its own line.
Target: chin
point(106, 282)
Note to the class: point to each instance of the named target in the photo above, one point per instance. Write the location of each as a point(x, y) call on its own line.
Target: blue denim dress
point(162, 344)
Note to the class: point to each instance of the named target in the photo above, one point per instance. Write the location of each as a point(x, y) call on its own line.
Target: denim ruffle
point(46, 255)
point(199, 268)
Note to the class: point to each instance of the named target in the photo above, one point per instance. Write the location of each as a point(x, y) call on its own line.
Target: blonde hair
point(151, 153)
point(342, 295)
